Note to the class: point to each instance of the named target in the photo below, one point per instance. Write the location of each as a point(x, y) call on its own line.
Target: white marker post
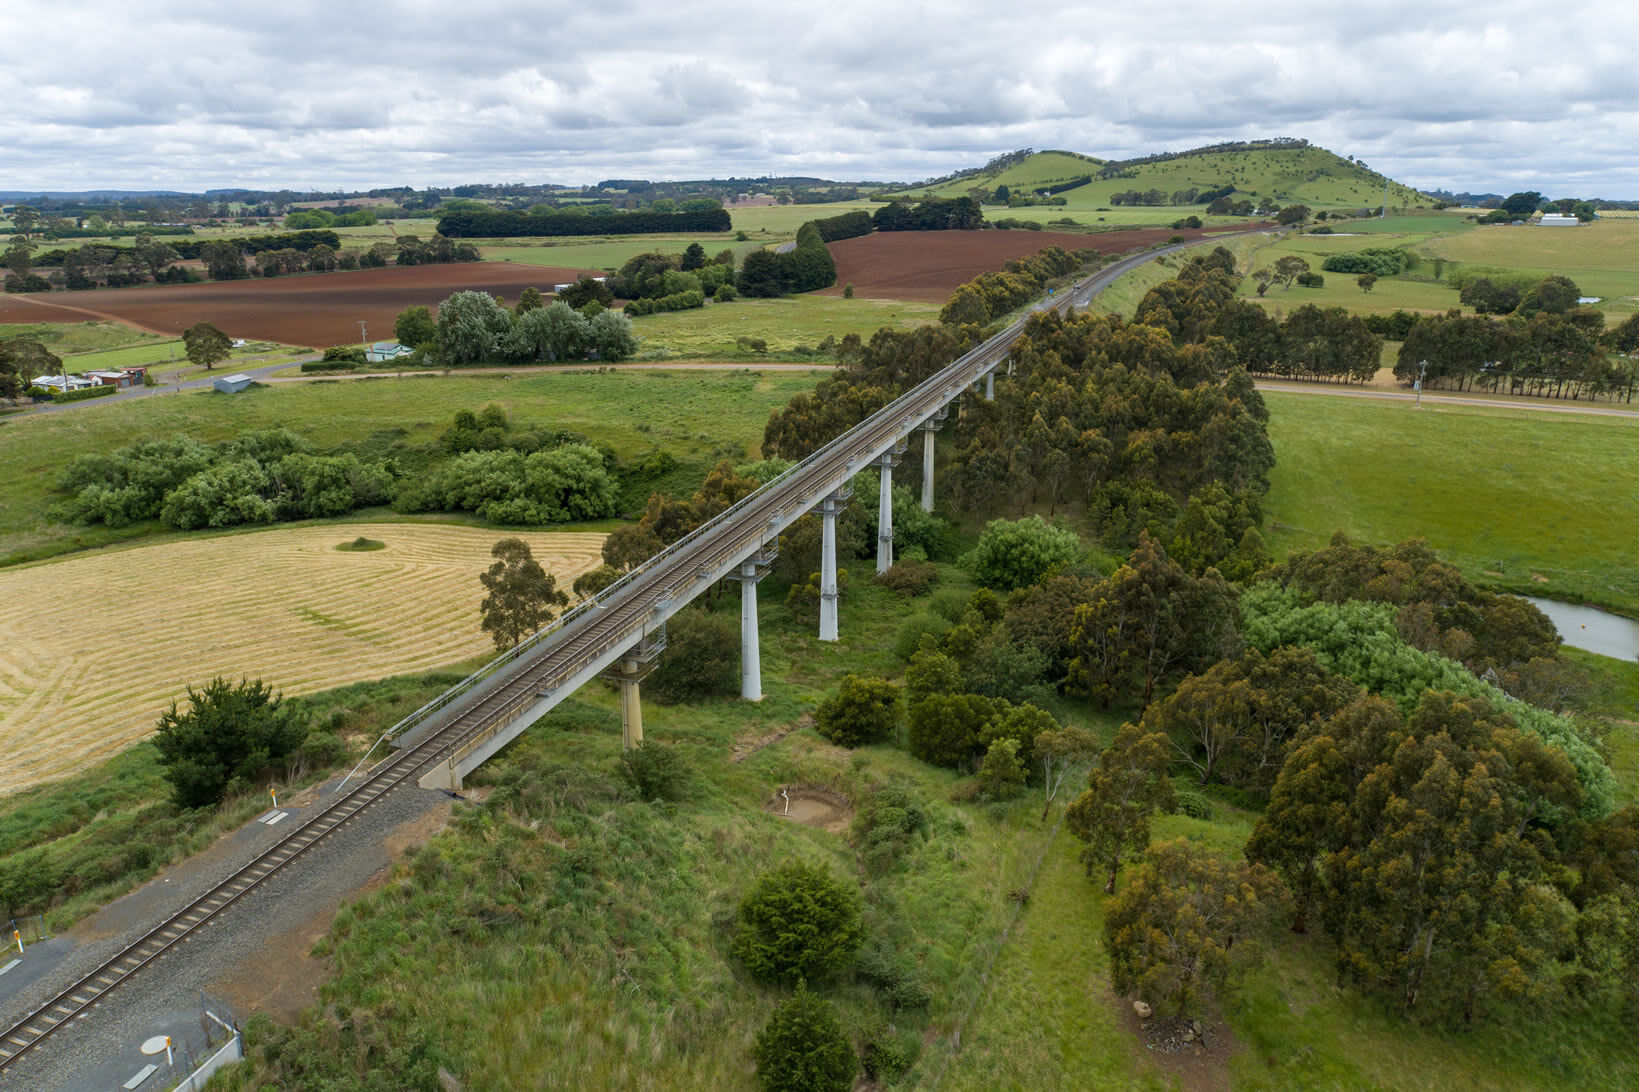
point(17, 935)
point(170, 1061)
point(275, 794)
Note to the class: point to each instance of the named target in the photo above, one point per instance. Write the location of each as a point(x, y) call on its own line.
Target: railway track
point(597, 626)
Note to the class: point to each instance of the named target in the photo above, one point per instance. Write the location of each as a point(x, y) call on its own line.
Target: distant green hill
point(1293, 172)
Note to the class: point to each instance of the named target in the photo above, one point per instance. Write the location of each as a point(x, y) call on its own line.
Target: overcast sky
point(138, 94)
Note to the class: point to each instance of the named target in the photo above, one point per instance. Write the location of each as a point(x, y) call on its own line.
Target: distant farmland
point(317, 309)
point(97, 646)
point(927, 266)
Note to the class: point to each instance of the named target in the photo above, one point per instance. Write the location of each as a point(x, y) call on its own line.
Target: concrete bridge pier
point(829, 509)
point(751, 570)
point(630, 670)
point(930, 428)
point(990, 386)
point(884, 506)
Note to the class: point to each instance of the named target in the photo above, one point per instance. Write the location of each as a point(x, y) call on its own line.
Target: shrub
point(803, 1048)
point(1017, 553)
point(886, 825)
point(229, 735)
point(362, 545)
point(913, 629)
point(863, 710)
point(848, 291)
point(798, 922)
point(83, 393)
point(588, 584)
point(702, 659)
point(726, 293)
point(1311, 279)
point(1001, 777)
point(888, 1053)
point(895, 975)
point(655, 772)
point(908, 578)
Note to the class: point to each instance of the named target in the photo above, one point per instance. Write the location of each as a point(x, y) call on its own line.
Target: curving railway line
point(593, 633)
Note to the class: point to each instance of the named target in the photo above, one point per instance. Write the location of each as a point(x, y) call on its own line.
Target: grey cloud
point(159, 92)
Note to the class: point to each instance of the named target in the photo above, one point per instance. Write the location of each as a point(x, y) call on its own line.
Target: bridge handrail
point(586, 608)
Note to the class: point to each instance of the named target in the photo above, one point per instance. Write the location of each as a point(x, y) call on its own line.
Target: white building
point(1554, 219)
point(383, 351)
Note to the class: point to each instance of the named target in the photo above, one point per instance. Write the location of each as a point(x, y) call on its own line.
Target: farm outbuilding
point(1554, 219)
point(232, 384)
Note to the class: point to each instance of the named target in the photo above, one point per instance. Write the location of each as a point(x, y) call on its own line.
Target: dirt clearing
point(95, 646)
point(812, 806)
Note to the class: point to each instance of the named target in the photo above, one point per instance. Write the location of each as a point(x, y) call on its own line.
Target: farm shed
point(232, 384)
point(1554, 219)
point(114, 379)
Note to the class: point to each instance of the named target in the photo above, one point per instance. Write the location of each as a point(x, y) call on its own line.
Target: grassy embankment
point(84, 841)
point(698, 417)
point(578, 936)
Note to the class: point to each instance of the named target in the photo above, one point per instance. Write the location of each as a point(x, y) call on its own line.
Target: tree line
point(472, 223)
point(484, 465)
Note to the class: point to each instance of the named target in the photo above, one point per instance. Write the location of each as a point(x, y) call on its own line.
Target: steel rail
point(616, 616)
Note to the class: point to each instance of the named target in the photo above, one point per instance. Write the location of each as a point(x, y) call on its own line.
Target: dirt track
point(927, 266)
point(317, 309)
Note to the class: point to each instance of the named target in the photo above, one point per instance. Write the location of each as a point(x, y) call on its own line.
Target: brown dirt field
point(317, 309)
point(26, 310)
point(927, 266)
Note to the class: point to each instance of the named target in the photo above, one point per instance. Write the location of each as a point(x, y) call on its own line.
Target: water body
point(1592, 629)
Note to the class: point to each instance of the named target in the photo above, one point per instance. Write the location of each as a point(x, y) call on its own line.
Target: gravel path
point(167, 998)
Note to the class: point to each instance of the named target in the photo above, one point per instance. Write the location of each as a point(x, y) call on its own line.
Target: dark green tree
point(1187, 924)
point(229, 736)
point(206, 345)
point(863, 710)
point(701, 660)
point(415, 326)
point(1126, 787)
point(803, 1048)
point(798, 922)
point(522, 597)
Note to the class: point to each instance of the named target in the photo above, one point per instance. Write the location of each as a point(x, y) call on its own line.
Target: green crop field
point(1599, 256)
point(698, 417)
point(1540, 502)
point(712, 332)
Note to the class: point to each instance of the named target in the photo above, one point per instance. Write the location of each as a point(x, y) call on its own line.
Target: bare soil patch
point(748, 747)
point(928, 266)
point(812, 806)
point(283, 976)
point(1198, 1062)
point(317, 309)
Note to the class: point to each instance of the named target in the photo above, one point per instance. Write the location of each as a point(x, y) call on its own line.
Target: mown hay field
point(95, 647)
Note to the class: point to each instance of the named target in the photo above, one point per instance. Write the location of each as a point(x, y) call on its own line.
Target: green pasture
point(782, 221)
point(69, 338)
point(699, 417)
point(608, 253)
point(712, 332)
point(1599, 256)
point(1541, 502)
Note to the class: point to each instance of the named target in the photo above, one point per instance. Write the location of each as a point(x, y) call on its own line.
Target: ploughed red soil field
point(927, 266)
point(317, 309)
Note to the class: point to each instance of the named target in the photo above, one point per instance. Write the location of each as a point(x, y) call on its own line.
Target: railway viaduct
point(618, 633)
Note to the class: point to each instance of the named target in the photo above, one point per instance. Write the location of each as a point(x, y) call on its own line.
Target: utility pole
point(364, 339)
point(1384, 211)
point(1422, 370)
